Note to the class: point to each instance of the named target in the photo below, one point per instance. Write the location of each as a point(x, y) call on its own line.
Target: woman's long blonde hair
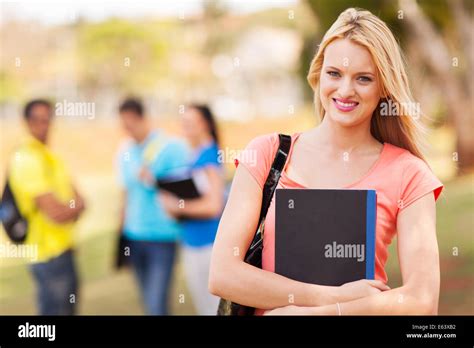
point(366, 29)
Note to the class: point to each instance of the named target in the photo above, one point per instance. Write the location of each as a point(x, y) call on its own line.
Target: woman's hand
point(358, 289)
point(170, 203)
point(344, 293)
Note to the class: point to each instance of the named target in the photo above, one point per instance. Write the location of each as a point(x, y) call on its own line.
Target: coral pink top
point(397, 176)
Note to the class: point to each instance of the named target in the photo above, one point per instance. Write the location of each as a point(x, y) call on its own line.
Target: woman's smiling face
point(349, 86)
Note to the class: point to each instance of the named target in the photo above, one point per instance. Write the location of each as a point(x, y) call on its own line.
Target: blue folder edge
point(370, 234)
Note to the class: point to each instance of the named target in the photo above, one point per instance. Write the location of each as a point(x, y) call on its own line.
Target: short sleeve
point(173, 159)
point(209, 157)
point(258, 155)
point(27, 175)
point(418, 180)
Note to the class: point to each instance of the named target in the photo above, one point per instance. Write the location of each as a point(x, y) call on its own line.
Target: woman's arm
point(207, 206)
point(419, 263)
point(233, 279)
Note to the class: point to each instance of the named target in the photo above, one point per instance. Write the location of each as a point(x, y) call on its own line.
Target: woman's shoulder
point(259, 147)
point(211, 147)
point(208, 154)
point(258, 155)
point(268, 140)
point(404, 159)
point(414, 174)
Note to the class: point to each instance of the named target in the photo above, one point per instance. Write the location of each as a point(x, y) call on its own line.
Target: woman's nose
point(346, 89)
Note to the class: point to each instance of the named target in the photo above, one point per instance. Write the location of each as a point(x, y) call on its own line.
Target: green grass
point(104, 290)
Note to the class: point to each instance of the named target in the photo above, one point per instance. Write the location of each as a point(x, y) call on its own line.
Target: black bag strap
point(271, 183)
point(275, 173)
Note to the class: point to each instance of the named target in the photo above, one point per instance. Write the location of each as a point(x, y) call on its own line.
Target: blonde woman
point(357, 75)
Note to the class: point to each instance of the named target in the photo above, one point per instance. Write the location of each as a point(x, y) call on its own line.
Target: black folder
point(325, 236)
point(183, 188)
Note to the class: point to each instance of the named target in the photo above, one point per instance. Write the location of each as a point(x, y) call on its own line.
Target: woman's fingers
point(378, 284)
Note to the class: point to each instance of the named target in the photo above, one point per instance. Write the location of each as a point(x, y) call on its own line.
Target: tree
point(453, 70)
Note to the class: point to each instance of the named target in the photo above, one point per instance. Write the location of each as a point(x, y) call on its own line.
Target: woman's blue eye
point(333, 73)
point(365, 79)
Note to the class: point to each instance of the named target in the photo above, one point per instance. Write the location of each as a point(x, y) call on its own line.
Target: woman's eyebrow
point(358, 73)
point(365, 73)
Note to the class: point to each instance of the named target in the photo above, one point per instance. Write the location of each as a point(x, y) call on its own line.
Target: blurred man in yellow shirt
point(47, 199)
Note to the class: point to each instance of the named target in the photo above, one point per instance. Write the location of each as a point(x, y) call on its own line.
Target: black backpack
point(14, 223)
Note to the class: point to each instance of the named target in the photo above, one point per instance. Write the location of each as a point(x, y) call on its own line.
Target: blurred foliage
point(214, 11)
point(109, 49)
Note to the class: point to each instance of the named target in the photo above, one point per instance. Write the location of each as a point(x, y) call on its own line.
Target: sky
point(51, 12)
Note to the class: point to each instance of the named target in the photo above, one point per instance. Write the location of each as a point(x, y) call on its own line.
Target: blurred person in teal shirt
point(151, 232)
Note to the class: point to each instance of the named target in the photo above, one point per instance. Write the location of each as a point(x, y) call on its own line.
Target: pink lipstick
point(344, 105)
